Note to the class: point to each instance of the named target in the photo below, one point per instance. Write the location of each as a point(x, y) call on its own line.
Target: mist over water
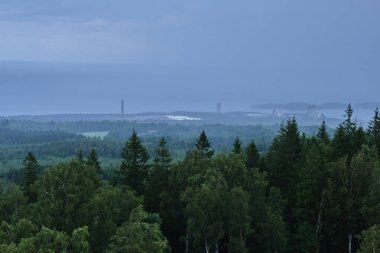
point(55, 88)
point(85, 56)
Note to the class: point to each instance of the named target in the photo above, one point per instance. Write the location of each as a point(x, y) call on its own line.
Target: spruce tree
point(134, 167)
point(284, 161)
point(340, 143)
point(203, 145)
point(349, 124)
point(236, 149)
point(284, 157)
point(80, 156)
point(158, 177)
point(348, 137)
point(29, 176)
point(92, 160)
point(373, 131)
point(253, 156)
point(322, 135)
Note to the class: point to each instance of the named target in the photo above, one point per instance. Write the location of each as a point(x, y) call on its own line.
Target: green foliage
point(92, 160)
point(237, 219)
point(232, 168)
point(63, 192)
point(352, 191)
point(134, 167)
point(138, 235)
point(203, 145)
point(80, 156)
point(79, 240)
point(267, 215)
point(284, 158)
point(253, 156)
point(236, 148)
point(25, 236)
point(204, 210)
point(373, 130)
point(105, 211)
point(306, 194)
point(11, 200)
point(322, 134)
point(370, 240)
point(158, 177)
point(29, 176)
point(348, 137)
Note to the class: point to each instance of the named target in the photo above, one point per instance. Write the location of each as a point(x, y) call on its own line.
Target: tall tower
point(218, 107)
point(122, 107)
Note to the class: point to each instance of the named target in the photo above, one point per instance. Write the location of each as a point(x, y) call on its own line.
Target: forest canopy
point(317, 192)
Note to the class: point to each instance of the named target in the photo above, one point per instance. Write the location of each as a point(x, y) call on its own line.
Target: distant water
point(35, 89)
point(363, 116)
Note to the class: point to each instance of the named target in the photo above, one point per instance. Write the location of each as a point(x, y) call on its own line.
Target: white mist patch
point(181, 118)
point(100, 135)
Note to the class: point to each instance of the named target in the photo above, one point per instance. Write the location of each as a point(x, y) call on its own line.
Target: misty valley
point(197, 126)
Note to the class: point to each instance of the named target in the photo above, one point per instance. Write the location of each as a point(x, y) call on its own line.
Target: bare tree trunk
point(350, 243)
point(242, 239)
point(319, 222)
point(207, 247)
point(373, 246)
point(229, 246)
point(187, 242)
point(216, 248)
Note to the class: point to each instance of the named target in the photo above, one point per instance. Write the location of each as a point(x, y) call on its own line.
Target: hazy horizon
point(85, 56)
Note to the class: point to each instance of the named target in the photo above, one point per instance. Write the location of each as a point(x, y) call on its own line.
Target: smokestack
point(122, 107)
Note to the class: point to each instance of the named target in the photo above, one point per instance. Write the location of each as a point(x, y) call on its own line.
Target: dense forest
point(303, 193)
point(54, 142)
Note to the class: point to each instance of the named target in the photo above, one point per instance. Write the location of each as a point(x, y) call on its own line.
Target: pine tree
point(253, 156)
point(92, 160)
point(237, 146)
point(30, 176)
point(135, 166)
point(204, 146)
point(158, 177)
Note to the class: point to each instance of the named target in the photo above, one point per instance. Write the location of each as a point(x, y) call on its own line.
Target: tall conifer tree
point(158, 177)
point(373, 131)
point(203, 145)
point(236, 149)
point(29, 176)
point(134, 167)
point(92, 160)
point(284, 157)
point(322, 135)
point(253, 156)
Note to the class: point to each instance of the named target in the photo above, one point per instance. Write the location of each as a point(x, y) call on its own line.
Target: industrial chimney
point(219, 107)
point(122, 107)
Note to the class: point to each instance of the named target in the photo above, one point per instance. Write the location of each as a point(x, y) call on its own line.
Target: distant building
point(122, 107)
point(276, 114)
point(218, 107)
point(313, 113)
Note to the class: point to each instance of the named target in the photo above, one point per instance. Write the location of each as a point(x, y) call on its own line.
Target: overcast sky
point(272, 51)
